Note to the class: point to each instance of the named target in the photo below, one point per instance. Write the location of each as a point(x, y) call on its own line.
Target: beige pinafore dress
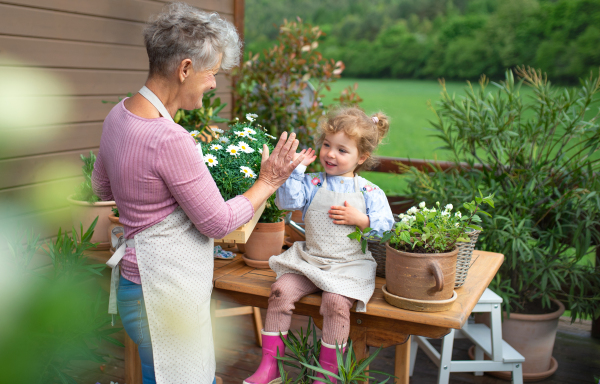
point(331, 260)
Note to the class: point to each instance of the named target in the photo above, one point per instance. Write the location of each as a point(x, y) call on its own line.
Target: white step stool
point(503, 356)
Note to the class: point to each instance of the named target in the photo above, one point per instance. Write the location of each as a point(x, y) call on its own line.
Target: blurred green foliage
point(85, 192)
point(541, 160)
point(51, 316)
point(272, 214)
point(454, 39)
point(199, 119)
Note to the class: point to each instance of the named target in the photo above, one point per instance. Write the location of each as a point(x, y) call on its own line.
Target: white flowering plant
point(233, 157)
point(436, 229)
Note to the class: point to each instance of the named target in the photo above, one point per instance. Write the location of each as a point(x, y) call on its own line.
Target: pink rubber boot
point(328, 360)
point(268, 372)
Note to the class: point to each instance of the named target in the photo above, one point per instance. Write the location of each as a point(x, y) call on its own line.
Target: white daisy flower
point(449, 207)
point(223, 139)
point(251, 117)
point(241, 134)
point(250, 131)
point(245, 147)
point(246, 171)
point(216, 147)
point(210, 160)
point(260, 150)
point(422, 205)
point(251, 138)
point(233, 150)
point(251, 175)
point(272, 137)
point(194, 132)
point(218, 130)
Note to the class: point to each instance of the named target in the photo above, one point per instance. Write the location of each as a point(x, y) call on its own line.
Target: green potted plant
point(86, 206)
point(201, 121)
point(267, 237)
point(233, 158)
point(421, 251)
point(537, 150)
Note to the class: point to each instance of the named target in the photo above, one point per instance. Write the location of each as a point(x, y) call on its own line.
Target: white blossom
point(251, 138)
point(194, 132)
point(216, 147)
point(210, 160)
point(272, 137)
point(245, 147)
point(251, 117)
point(449, 207)
point(260, 150)
point(250, 131)
point(223, 139)
point(412, 210)
point(422, 204)
point(247, 172)
point(458, 214)
point(233, 150)
point(241, 134)
point(446, 213)
point(218, 130)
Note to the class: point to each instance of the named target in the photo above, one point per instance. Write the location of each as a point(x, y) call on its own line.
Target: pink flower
point(368, 188)
point(316, 181)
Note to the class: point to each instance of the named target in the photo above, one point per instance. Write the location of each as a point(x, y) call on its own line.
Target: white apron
point(176, 268)
point(331, 260)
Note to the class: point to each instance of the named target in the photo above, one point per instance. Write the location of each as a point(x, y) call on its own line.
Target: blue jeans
point(130, 302)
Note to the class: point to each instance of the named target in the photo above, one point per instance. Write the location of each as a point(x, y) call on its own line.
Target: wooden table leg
point(402, 363)
point(133, 365)
point(258, 325)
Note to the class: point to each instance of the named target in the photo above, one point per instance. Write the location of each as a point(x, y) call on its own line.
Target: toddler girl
point(333, 203)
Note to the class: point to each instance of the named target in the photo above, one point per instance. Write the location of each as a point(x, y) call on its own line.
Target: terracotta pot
point(114, 222)
point(241, 248)
point(84, 213)
point(265, 241)
point(533, 337)
point(420, 276)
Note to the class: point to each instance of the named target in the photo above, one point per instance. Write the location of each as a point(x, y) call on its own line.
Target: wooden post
point(133, 365)
point(402, 362)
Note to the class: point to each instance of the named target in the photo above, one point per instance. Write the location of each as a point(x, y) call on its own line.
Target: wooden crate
point(242, 234)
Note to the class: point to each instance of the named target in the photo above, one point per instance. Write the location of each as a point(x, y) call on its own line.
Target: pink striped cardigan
point(151, 166)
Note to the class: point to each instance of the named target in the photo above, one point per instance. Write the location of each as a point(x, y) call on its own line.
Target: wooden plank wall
point(58, 60)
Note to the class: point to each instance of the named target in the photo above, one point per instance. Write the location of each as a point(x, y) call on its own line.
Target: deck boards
point(577, 353)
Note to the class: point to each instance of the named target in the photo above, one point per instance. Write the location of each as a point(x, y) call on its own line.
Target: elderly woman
point(169, 205)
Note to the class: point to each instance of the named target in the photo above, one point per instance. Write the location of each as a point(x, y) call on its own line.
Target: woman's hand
point(348, 215)
point(277, 167)
point(309, 157)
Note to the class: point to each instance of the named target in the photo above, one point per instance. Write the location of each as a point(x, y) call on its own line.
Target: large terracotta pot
point(265, 241)
point(420, 276)
point(84, 213)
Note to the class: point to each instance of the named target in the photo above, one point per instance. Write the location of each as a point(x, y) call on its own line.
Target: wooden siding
point(59, 59)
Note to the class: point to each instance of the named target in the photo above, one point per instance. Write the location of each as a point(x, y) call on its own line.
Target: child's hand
point(309, 157)
point(348, 215)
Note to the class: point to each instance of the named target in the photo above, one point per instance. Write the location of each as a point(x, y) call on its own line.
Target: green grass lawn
point(406, 103)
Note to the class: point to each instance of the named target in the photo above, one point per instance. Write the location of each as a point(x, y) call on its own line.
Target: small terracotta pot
point(420, 276)
point(533, 337)
point(84, 213)
point(265, 241)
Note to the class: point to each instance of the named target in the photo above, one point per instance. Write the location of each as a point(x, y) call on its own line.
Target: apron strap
point(154, 100)
point(324, 180)
point(356, 189)
point(120, 245)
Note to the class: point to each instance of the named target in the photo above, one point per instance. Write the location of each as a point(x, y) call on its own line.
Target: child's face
point(339, 155)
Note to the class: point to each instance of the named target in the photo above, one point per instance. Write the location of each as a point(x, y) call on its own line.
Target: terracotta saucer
point(527, 377)
point(418, 305)
point(256, 263)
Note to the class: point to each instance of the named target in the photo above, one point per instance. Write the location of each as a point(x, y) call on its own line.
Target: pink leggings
point(290, 288)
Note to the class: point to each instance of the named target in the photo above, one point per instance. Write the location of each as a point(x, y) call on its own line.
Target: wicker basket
point(463, 262)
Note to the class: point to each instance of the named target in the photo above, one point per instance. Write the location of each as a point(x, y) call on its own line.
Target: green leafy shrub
point(55, 315)
point(234, 156)
point(199, 119)
point(272, 85)
point(539, 156)
point(85, 192)
point(272, 214)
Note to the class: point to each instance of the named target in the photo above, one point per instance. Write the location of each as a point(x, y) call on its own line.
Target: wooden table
point(382, 324)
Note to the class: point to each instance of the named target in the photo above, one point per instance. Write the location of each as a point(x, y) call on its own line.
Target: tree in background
point(454, 39)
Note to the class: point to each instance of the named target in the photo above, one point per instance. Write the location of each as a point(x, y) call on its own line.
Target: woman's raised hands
point(277, 167)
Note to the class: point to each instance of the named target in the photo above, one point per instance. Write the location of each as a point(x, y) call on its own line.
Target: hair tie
point(375, 119)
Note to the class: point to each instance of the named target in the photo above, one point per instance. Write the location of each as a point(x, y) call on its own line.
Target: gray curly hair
point(181, 31)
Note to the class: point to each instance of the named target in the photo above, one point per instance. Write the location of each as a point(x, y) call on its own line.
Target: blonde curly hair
point(366, 131)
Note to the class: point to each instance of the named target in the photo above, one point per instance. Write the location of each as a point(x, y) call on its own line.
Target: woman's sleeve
point(181, 167)
point(100, 181)
point(293, 193)
point(379, 211)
